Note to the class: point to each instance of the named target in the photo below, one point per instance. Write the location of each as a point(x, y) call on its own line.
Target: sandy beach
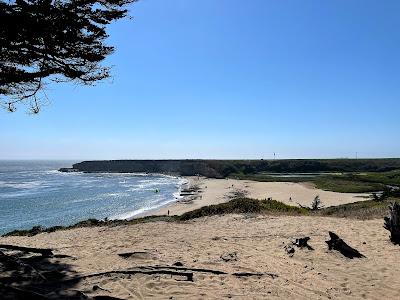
point(214, 191)
point(231, 243)
point(230, 256)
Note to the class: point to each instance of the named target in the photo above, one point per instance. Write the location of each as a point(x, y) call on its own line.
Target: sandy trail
point(214, 191)
point(257, 243)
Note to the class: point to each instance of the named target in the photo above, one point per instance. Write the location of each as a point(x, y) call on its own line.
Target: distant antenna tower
point(274, 155)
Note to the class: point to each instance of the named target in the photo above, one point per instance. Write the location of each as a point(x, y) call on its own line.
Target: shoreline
point(163, 210)
point(177, 198)
point(195, 192)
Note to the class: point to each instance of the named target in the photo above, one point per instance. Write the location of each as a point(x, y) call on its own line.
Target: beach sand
point(214, 191)
point(231, 243)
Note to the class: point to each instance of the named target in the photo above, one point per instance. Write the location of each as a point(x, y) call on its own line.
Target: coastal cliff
point(224, 168)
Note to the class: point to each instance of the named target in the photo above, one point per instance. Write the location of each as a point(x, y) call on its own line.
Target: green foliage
point(240, 205)
point(388, 178)
point(358, 210)
point(89, 223)
point(243, 205)
point(341, 183)
point(29, 232)
point(346, 184)
point(273, 206)
point(359, 182)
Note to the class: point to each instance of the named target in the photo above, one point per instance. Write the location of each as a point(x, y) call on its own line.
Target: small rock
point(96, 288)
point(229, 256)
point(289, 250)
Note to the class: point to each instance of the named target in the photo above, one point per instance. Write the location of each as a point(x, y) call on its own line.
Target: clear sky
point(230, 79)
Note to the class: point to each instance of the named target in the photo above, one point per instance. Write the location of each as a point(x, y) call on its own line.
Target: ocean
point(35, 193)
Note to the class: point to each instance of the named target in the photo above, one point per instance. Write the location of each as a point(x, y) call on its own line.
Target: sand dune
point(248, 244)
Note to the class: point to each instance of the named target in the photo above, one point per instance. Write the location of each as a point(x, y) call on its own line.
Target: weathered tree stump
point(392, 223)
point(338, 244)
point(303, 243)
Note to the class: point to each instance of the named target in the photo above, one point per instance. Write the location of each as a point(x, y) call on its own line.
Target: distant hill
point(224, 168)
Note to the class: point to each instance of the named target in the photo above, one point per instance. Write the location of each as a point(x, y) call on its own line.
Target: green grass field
point(339, 182)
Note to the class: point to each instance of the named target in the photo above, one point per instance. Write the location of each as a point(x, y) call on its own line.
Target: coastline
point(194, 192)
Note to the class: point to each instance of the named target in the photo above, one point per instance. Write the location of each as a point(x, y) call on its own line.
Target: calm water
point(35, 193)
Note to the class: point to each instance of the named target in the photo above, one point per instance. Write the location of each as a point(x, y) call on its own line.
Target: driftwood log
point(392, 223)
point(135, 254)
point(43, 251)
point(247, 274)
point(188, 273)
point(338, 244)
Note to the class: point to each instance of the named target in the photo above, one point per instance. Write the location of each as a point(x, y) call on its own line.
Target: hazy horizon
point(193, 158)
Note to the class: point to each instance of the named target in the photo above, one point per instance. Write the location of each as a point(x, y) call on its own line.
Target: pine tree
point(58, 41)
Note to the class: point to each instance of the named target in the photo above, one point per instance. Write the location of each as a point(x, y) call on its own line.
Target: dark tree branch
point(171, 270)
point(54, 40)
point(43, 251)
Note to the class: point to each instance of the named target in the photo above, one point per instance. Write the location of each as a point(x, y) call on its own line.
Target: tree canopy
point(47, 40)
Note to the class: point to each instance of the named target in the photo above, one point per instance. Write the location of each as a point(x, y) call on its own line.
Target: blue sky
point(230, 79)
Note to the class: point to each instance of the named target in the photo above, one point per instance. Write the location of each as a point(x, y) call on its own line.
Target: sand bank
point(232, 243)
point(214, 191)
